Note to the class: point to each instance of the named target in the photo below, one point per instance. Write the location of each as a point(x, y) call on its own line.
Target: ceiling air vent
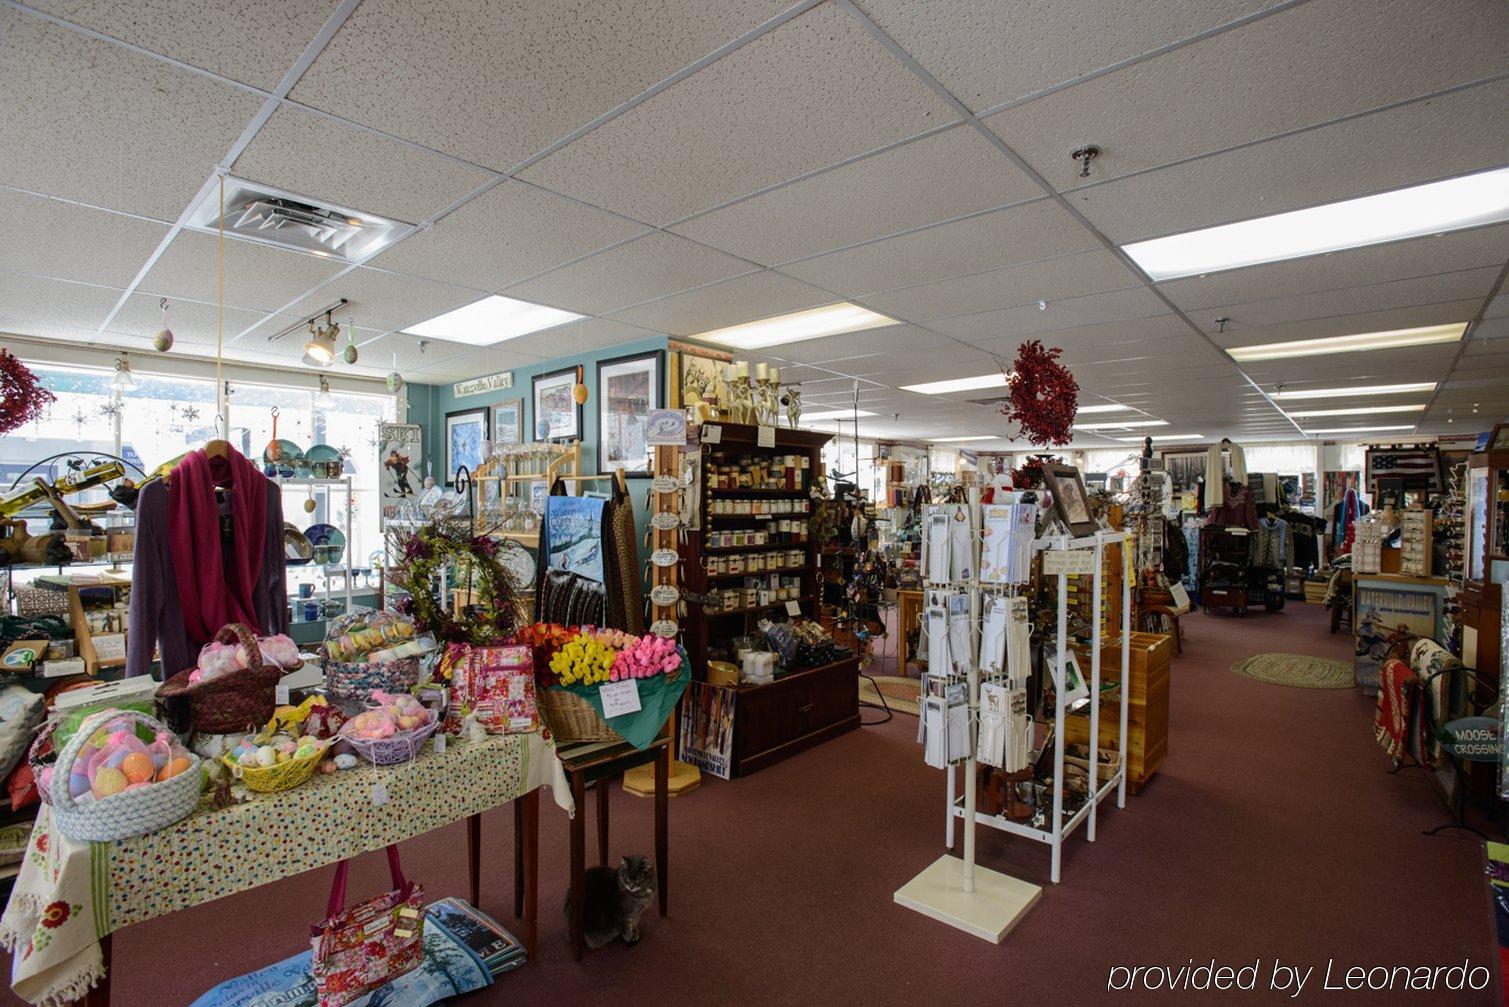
point(271, 216)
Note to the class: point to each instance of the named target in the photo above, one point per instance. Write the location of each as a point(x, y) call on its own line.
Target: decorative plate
point(665, 557)
point(665, 484)
point(666, 521)
point(329, 543)
point(325, 462)
point(519, 562)
point(665, 594)
point(664, 425)
point(297, 549)
point(665, 627)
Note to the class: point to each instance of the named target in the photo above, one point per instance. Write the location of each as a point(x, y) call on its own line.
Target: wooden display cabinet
point(1487, 556)
point(1149, 668)
point(794, 713)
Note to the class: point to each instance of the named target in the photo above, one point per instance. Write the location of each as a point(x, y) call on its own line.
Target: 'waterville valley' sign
point(476, 386)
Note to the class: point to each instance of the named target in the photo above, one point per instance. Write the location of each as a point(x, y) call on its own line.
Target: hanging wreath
point(1043, 396)
point(22, 396)
point(493, 614)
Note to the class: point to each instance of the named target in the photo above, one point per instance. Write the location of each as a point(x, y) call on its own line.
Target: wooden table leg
point(578, 861)
point(100, 995)
point(474, 858)
point(518, 857)
point(602, 820)
point(530, 817)
point(662, 831)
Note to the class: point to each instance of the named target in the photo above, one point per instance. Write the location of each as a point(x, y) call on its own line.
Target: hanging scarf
point(1351, 510)
point(1215, 471)
point(209, 594)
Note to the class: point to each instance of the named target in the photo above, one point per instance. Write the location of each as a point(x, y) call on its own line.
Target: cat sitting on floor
point(613, 900)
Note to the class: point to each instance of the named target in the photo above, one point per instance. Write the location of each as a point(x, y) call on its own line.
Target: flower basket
point(349, 684)
point(131, 812)
point(402, 747)
point(241, 701)
point(570, 723)
point(272, 779)
point(571, 718)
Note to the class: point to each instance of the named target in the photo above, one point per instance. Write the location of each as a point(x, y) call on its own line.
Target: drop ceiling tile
point(48, 237)
point(252, 41)
point(1047, 279)
point(987, 53)
point(1420, 290)
point(1306, 65)
point(329, 161)
point(937, 178)
point(575, 338)
point(741, 299)
point(1025, 320)
point(638, 271)
point(509, 233)
point(257, 276)
point(1238, 334)
point(496, 83)
point(1498, 307)
point(29, 302)
point(382, 300)
point(94, 122)
point(813, 92)
point(874, 346)
point(1019, 234)
point(1434, 138)
point(1446, 253)
point(191, 321)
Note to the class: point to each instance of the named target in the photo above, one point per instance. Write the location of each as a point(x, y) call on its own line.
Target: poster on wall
point(400, 456)
point(1385, 617)
point(1336, 486)
point(465, 435)
point(508, 423)
point(627, 389)
point(707, 728)
point(573, 538)
point(557, 417)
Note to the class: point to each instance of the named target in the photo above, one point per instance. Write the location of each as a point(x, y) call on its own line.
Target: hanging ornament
point(395, 381)
point(22, 396)
point(163, 341)
point(309, 503)
point(1043, 396)
point(350, 355)
point(579, 393)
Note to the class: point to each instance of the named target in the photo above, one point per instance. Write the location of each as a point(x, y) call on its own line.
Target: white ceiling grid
point(679, 165)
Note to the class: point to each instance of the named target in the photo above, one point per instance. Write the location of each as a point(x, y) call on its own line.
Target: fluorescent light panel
point(813, 323)
point(1360, 430)
point(1391, 340)
point(1301, 414)
point(962, 440)
point(1123, 425)
point(994, 380)
point(837, 414)
point(1346, 393)
point(1434, 208)
point(491, 320)
point(1109, 407)
point(1162, 437)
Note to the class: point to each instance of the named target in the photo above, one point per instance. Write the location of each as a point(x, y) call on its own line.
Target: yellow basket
point(272, 779)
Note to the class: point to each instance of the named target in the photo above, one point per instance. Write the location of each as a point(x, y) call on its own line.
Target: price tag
point(712, 433)
point(620, 698)
point(793, 608)
point(765, 437)
point(1068, 561)
point(280, 695)
point(110, 647)
point(439, 742)
point(379, 794)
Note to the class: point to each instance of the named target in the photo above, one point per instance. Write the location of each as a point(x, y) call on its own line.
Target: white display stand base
point(989, 912)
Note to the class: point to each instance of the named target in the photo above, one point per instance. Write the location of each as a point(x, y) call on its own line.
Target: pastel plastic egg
point(109, 781)
point(345, 761)
point(78, 784)
point(138, 767)
point(173, 768)
point(267, 756)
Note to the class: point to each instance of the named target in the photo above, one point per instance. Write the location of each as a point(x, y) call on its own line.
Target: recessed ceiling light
point(995, 379)
point(1391, 340)
point(1162, 437)
point(1124, 425)
point(837, 414)
point(813, 323)
point(491, 320)
point(1434, 208)
point(1360, 430)
point(961, 440)
point(1345, 393)
point(1109, 407)
point(1300, 414)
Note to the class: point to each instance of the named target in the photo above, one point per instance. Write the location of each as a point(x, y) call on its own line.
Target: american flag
point(1420, 467)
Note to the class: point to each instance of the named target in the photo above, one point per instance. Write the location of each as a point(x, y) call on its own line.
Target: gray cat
point(613, 901)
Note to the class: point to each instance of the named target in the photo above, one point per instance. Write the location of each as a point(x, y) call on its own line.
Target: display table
point(70, 896)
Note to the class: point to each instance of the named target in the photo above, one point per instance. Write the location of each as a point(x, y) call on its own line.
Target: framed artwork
point(400, 459)
point(508, 422)
point(627, 389)
point(1070, 501)
point(557, 417)
point(465, 433)
point(703, 376)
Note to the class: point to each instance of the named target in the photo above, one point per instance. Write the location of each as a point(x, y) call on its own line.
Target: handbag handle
point(337, 901)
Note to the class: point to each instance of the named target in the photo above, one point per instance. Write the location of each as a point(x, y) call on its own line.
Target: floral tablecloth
point(69, 894)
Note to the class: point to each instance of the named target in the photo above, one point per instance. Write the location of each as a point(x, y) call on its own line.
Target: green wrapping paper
point(657, 698)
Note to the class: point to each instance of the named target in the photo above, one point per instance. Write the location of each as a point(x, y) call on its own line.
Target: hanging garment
point(626, 595)
point(1270, 544)
point(1215, 470)
point(1343, 514)
point(189, 577)
point(1398, 688)
point(1237, 509)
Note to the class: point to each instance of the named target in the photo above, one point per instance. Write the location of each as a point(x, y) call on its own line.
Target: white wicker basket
point(127, 814)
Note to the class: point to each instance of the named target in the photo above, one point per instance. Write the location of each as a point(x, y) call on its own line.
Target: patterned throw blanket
point(1397, 690)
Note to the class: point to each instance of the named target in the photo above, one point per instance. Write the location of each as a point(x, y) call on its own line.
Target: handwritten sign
point(1068, 561)
point(620, 698)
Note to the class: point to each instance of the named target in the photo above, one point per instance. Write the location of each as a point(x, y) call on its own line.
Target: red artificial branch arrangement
point(22, 396)
point(1043, 396)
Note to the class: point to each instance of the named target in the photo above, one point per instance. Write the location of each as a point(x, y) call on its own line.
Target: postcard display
point(977, 562)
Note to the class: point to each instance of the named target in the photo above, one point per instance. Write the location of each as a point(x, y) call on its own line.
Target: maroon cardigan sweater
point(156, 616)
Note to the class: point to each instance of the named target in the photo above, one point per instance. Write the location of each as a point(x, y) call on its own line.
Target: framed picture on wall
point(508, 422)
point(465, 432)
point(627, 389)
point(1070, 500)
point(557, 417)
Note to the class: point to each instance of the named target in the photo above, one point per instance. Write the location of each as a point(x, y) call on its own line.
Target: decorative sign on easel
point(1068, 561)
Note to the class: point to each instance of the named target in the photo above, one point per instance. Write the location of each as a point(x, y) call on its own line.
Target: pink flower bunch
point(649, 655)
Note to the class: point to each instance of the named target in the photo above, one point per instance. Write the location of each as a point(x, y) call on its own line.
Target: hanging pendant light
point(320, 350)
point(323, 399)
point(163, 341)
point(123, 381)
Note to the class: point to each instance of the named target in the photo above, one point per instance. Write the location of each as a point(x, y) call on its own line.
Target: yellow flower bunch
point(582, 660)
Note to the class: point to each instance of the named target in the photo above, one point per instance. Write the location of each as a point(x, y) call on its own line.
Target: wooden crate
point(1147, 706)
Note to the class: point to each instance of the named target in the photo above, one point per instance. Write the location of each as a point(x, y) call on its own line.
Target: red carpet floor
point(1273, 832)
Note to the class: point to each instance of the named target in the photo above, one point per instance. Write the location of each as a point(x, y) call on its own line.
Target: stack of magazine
point(499, 950)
